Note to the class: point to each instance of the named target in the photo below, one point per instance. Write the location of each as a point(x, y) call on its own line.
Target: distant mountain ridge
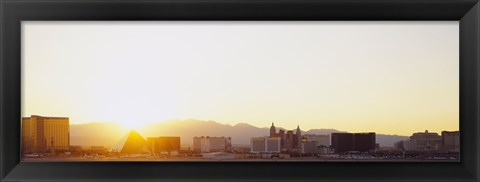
point(107, 134)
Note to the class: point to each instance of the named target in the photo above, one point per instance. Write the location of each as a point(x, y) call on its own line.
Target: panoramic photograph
point(371, 91)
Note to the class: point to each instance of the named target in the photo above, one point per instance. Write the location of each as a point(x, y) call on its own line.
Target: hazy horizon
point(91, 134)
point(146, 127)
point(386, 77)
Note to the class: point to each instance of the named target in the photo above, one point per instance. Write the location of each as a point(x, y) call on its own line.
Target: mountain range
point(107, 134)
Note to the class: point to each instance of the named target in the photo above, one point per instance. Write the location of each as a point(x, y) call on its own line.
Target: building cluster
point(315, 144)
point(448, 141)
point(290, 142)
point(52, 135)
point(134, 143)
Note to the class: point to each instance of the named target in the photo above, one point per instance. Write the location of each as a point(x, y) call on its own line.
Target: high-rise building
point(451, 141)
point(212, 144)
point(289, 140)
point(157, 145)
point(281, 134)
point(45, 134)
point(265, 145)
point(298, 138)
point(364, 141)
point(344, 142)
point(273, 131)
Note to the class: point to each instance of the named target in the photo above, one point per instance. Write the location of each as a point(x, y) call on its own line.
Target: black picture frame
point(12, 12)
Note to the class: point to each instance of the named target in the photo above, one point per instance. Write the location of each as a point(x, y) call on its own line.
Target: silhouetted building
point(45, 134)
point(212, 144)
point(364, 142)
point(451, 141)
point(289, 140)
point(426, 141)
point(158, 145)
point(273, 131)
point(280, 134)
point(298, 139)
point(265, 145)
point(421, 141)
point(344, 142)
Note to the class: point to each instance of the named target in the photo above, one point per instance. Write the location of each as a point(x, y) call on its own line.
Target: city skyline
point(356, 76)
point(93, 134)
point(49, 138)
point(141, 129)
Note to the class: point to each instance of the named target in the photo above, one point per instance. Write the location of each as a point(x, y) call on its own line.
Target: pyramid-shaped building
point(132, 143)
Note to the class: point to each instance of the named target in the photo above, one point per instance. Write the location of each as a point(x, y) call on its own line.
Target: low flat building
point(324, 150)
point(218, 156)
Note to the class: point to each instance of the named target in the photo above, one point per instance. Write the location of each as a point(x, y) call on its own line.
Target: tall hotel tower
point(45, 134)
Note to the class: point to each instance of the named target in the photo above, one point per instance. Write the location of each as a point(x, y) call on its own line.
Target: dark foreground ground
point(198, 159)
